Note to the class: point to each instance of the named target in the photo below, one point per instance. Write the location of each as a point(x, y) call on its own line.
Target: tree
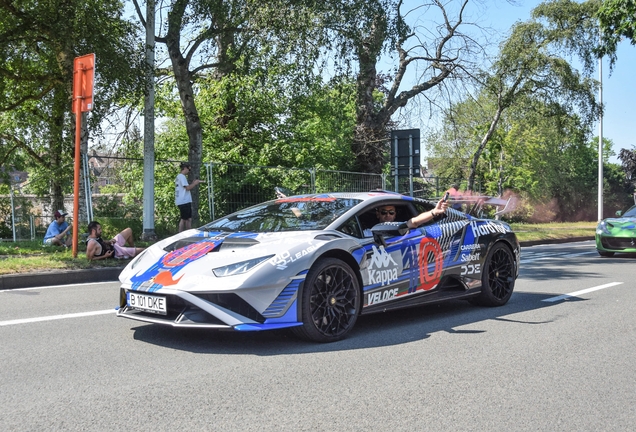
point(212, 39)
point(530, 63)
point(628, 163)
point(617, 20)
point(39, 41)
point(363, 31)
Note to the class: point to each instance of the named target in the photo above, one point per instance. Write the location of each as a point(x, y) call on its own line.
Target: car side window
point(368, 218)
point(351, 227)
point(421, 207)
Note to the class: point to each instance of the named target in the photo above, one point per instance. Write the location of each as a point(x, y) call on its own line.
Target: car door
point(387, 267)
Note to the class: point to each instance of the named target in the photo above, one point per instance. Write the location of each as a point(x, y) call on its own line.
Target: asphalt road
point(558, 356)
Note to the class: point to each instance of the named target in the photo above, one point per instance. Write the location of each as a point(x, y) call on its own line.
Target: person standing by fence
point(183, 197)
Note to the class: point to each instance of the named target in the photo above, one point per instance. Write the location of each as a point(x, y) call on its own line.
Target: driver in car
point(386, 213)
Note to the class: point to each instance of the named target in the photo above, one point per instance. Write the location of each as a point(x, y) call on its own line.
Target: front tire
point(498, 277)
point(330, 302)
point(605, 254)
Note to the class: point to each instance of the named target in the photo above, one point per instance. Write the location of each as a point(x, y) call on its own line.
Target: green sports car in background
point(617, 234)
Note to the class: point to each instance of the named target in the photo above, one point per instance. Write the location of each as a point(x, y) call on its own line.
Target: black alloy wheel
point(330, 301)
point(498, 277)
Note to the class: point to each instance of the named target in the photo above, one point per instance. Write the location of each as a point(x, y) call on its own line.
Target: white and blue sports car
point(314, 263)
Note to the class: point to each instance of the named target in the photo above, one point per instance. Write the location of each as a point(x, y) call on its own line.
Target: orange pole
point(78, 138)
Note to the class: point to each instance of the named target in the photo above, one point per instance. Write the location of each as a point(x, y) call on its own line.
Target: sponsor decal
point(471, 269)
point(282, 260)
point(485, 228)
point(382, 267)
point(428, 279)
point(471, 247)
point(381, 296)
point(470, 257)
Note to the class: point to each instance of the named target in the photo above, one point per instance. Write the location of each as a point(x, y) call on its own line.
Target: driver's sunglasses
point(386, 212)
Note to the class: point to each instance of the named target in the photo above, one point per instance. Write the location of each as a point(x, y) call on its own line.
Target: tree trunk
point(183, 78)
point(57, 149)
point(482, 146)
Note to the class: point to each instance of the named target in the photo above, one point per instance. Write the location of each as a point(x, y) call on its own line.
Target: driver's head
point(385, 213)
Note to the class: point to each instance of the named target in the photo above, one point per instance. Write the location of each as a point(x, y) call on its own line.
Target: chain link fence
point(116, 196)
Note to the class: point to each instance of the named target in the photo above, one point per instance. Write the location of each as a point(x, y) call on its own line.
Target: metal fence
point(117, 192)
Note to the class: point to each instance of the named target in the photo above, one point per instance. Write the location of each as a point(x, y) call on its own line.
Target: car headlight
point(240, 267)
point(602, 228)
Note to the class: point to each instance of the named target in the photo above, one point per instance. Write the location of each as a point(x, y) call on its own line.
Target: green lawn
point(532, 232)
point(31, 256)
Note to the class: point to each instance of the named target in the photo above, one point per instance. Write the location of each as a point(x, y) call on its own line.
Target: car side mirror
point(619, 213)
point(388, 229)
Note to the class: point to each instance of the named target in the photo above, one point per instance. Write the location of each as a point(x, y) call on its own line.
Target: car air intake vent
point(235, 304)
point(327, 237)
point(182, 243)
point(236, 243)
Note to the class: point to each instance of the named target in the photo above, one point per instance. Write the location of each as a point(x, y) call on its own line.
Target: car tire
point(605, 254)
point(330, 302)
point(498, 277)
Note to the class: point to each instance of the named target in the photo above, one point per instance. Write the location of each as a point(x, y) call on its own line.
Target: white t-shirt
point(181, 194)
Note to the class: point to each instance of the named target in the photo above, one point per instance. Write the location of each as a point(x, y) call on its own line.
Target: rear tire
point(498, 277)
point(330, 302)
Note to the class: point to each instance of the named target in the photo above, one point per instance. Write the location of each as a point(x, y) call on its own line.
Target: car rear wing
point(475, 204)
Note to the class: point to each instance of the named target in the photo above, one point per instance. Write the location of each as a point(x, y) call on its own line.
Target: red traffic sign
point(83, 82)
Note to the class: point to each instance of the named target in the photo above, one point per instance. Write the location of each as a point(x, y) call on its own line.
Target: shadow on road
point(377, 330)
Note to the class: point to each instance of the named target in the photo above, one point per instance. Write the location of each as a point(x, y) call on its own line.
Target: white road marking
point(578, 293)
point(57, 286)
point(56, 317)
point(538, 257)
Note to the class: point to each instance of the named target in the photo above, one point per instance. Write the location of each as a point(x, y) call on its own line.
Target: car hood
point(623, 223)
point(193, 255)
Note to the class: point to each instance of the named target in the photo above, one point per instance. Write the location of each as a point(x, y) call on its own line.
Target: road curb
point(65, 277)
point(555, 241)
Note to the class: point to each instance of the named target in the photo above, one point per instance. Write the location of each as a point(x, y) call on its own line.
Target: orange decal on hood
point(164, 278)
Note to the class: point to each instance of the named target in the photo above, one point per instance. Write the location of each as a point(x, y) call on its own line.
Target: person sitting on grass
point(97, 249)
point(58, 232)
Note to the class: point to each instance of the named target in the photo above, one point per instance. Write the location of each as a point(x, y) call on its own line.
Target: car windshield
point(302, 213)
point(630, 213)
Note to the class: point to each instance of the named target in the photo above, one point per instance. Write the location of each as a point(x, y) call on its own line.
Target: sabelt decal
point(383, 269)
point(468, 257)
point(470, 252)
point(429, 280)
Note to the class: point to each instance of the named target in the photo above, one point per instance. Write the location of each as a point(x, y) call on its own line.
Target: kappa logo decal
point(380, 258)
point(382, 267)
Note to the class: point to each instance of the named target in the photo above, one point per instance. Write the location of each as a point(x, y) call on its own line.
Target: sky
point(619, 88)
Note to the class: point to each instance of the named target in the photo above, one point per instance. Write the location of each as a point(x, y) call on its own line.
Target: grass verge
point(551, 231)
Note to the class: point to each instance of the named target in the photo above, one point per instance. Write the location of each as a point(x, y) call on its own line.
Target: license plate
point(147, 303)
